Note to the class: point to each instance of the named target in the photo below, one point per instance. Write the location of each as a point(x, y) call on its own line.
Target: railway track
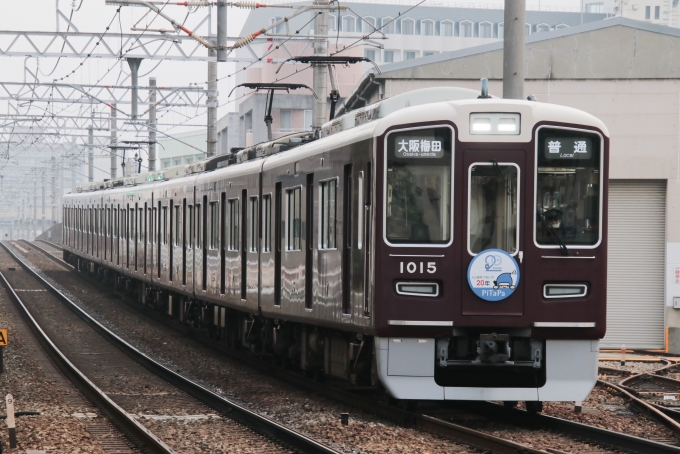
point(115, 376)
point(598, 440)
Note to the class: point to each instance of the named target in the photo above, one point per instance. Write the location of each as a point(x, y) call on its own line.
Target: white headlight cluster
point(495, 123)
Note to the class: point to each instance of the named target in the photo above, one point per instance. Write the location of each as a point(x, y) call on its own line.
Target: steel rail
point(260, 424)
point(435, 425)
point(118, 416)
point(427, 423)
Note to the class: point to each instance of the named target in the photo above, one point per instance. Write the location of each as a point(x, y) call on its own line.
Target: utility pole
point(42, 224)
point(54, 190)
point(321, 71)
point(152, 124)
point(513, 49)
point(212, 105)
point(221, 30)
point(134, 73)
point(35, 206)
point(114, 140)
point(90, 152)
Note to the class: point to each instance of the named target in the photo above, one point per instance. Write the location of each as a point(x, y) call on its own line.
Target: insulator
point(248, 4)
point(243, 41)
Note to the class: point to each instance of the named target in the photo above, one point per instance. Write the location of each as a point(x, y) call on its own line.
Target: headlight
point(565, 290)
point(430, 289)
point(496, 123)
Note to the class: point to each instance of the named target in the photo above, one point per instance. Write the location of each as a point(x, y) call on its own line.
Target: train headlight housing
point(430, 289)
point(551, 291)
point(495, 123)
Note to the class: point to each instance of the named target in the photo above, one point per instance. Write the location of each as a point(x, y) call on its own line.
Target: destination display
point(418, 146)
point(561, 147)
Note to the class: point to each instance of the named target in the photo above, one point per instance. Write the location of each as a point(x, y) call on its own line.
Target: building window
point(233, 224)
point(348, 24)
point(465, 29)
point(389, 56)
point(409, 55)
point(657, 12)
point(308, 120)
point(294, 218)
point(370, 54)
point(279, 28)
point(177, 161)
point(446, 28)
point(328, 192)
point(427, 28)
point(485, 30)
point(388, 26)
point(286, 120)
point(332, 23)
point(165, 163)
point(428, 53)
point(369, 24)
point(501, 30)
point(595, 8)
point(559, 26)
point(408, 27)
point(542, 28)
point(648, 12)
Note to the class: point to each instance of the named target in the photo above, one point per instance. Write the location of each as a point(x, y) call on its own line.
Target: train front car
point(491, 256)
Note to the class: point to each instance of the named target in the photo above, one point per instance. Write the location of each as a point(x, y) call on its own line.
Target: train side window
point(140, 229)
point(253, 224)
point(267, 223)
point(152, 224)
point(190, 217)
point(133, 224)
point(328, 191)
point(214, 225)
point(199, 223)
point(233, 224)
point(108, 222)
point(178, 225)
point(165, 225)
point(293, 219)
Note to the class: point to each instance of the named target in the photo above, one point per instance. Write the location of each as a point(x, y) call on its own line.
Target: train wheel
point(534, 407)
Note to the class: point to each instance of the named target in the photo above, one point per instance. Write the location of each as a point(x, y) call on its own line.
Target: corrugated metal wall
point(636, 264)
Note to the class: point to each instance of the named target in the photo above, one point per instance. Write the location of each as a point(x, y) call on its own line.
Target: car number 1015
point(413, 267)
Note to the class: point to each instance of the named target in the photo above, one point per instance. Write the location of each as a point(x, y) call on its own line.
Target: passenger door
point(494, 182)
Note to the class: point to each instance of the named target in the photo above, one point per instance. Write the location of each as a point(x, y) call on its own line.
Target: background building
point(189, 148)
point(421, 32)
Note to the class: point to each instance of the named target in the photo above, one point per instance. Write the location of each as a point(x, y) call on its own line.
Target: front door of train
point(495, 185)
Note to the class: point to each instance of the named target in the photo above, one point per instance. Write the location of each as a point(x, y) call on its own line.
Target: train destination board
point(572, 147)
point(418, 147)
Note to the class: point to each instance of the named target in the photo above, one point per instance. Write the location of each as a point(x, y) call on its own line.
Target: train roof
point(428, 104)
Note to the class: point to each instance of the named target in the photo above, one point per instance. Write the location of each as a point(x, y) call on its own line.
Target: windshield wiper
point(555, 237)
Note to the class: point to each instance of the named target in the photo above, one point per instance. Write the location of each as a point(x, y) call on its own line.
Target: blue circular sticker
point(493, 275)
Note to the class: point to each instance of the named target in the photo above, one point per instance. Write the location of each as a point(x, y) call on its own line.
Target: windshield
point(418, 186)
point(568, 188)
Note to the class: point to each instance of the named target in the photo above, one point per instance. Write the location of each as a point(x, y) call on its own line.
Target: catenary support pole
point(212, 106)
point(513, 49)
point(134, 75)
point(152, 123)
point(320, 75)
point(114, 141)
point(53, 191)
point(42, 223)
point(221, 30)
point(90, 153)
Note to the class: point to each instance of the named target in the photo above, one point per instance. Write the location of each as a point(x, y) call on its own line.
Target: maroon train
point(445, 246)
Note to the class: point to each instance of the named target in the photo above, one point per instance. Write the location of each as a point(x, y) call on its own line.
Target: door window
point(493, 207)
